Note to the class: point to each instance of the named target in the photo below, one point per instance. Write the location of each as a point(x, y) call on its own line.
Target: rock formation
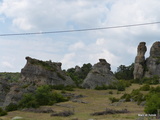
point(35, 73)
point(4, 89)
point(150, 66)
point(44, 72)
point(153, 61)
point(99, 75)
point(140, 61)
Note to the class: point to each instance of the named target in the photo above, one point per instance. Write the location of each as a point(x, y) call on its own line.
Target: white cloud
point(76, 46)
point(7, 65)
point(117, 46)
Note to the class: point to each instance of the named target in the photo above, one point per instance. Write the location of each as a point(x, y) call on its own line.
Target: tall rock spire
point(140, 61)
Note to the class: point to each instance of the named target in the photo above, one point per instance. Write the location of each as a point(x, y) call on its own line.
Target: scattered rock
point(110, 111)
point(39, 110)
point(99, 75)
point(63, 114)
point(17, 118)
point(79, 101)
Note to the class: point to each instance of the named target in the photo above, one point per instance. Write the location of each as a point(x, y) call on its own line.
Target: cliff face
point(44, 72)
point(99, 75)
point(150, 66)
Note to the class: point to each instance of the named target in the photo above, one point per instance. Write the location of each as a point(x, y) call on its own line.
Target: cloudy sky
point(117, 46)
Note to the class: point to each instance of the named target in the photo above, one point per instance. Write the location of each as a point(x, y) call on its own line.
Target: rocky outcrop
point(153, 61)
point(35, 73)
point(44, 72)
point(16, 92)
point(99, 75)
point(150, 66)
point(4, 89)
point(140, 61)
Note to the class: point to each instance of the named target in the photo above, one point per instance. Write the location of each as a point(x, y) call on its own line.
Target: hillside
point(90, 101)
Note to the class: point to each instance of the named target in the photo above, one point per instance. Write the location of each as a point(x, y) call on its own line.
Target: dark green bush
point(153, 80)
point(155, 90)
point(110, 92)
point(113, 99)
point(2, 112)
point(42, 96)
point(145, 87)
point(28, 101)
point(11, 107)
point(103, 87)
point(152, 103)
point(127, 97)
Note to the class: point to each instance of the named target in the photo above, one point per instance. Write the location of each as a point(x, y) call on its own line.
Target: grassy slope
point(97, 101)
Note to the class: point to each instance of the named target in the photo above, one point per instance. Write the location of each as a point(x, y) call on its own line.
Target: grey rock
point(99, 75)
point(150, 66)
point(44, 72)
point(140, 61)
point(153, 62)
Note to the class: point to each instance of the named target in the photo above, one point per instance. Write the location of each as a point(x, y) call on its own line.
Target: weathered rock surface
point(153, 61)
point(99, 75)
point(4, 89)
point(16, 92)
point(44, 72)
point(150, 66)
point(140, 61)
point(35, 73)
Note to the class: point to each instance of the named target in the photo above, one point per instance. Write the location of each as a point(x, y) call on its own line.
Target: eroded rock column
point(140, 61)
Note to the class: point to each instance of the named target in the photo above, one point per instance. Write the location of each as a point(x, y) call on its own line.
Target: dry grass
point(97, 101)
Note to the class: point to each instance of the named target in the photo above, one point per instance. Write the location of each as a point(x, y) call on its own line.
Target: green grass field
point(96, 101)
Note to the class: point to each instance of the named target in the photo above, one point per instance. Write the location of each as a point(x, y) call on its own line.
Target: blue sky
point(117, 46)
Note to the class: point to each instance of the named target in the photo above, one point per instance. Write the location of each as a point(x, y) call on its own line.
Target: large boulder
point(44, 72)
point(99, 75)
point(140, 61)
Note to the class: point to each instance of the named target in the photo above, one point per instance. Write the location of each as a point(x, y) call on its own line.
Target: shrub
point(42, 96)
point(152, 103)
point(155, 90)
point(153, 80)
point(2, 112)
point(11, 107)
point(145, 87)
point(110, 92)
point(28, 101)
point(113, 99)
point(103, 87)
point(127, 97)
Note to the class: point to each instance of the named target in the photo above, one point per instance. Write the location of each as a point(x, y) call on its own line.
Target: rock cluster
point(99, 75)
point(150, 66)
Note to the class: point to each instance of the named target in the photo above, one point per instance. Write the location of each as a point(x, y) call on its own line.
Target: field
point(94, 101)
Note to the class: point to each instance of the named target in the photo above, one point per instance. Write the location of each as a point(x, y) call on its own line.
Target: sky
point(117, 46)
